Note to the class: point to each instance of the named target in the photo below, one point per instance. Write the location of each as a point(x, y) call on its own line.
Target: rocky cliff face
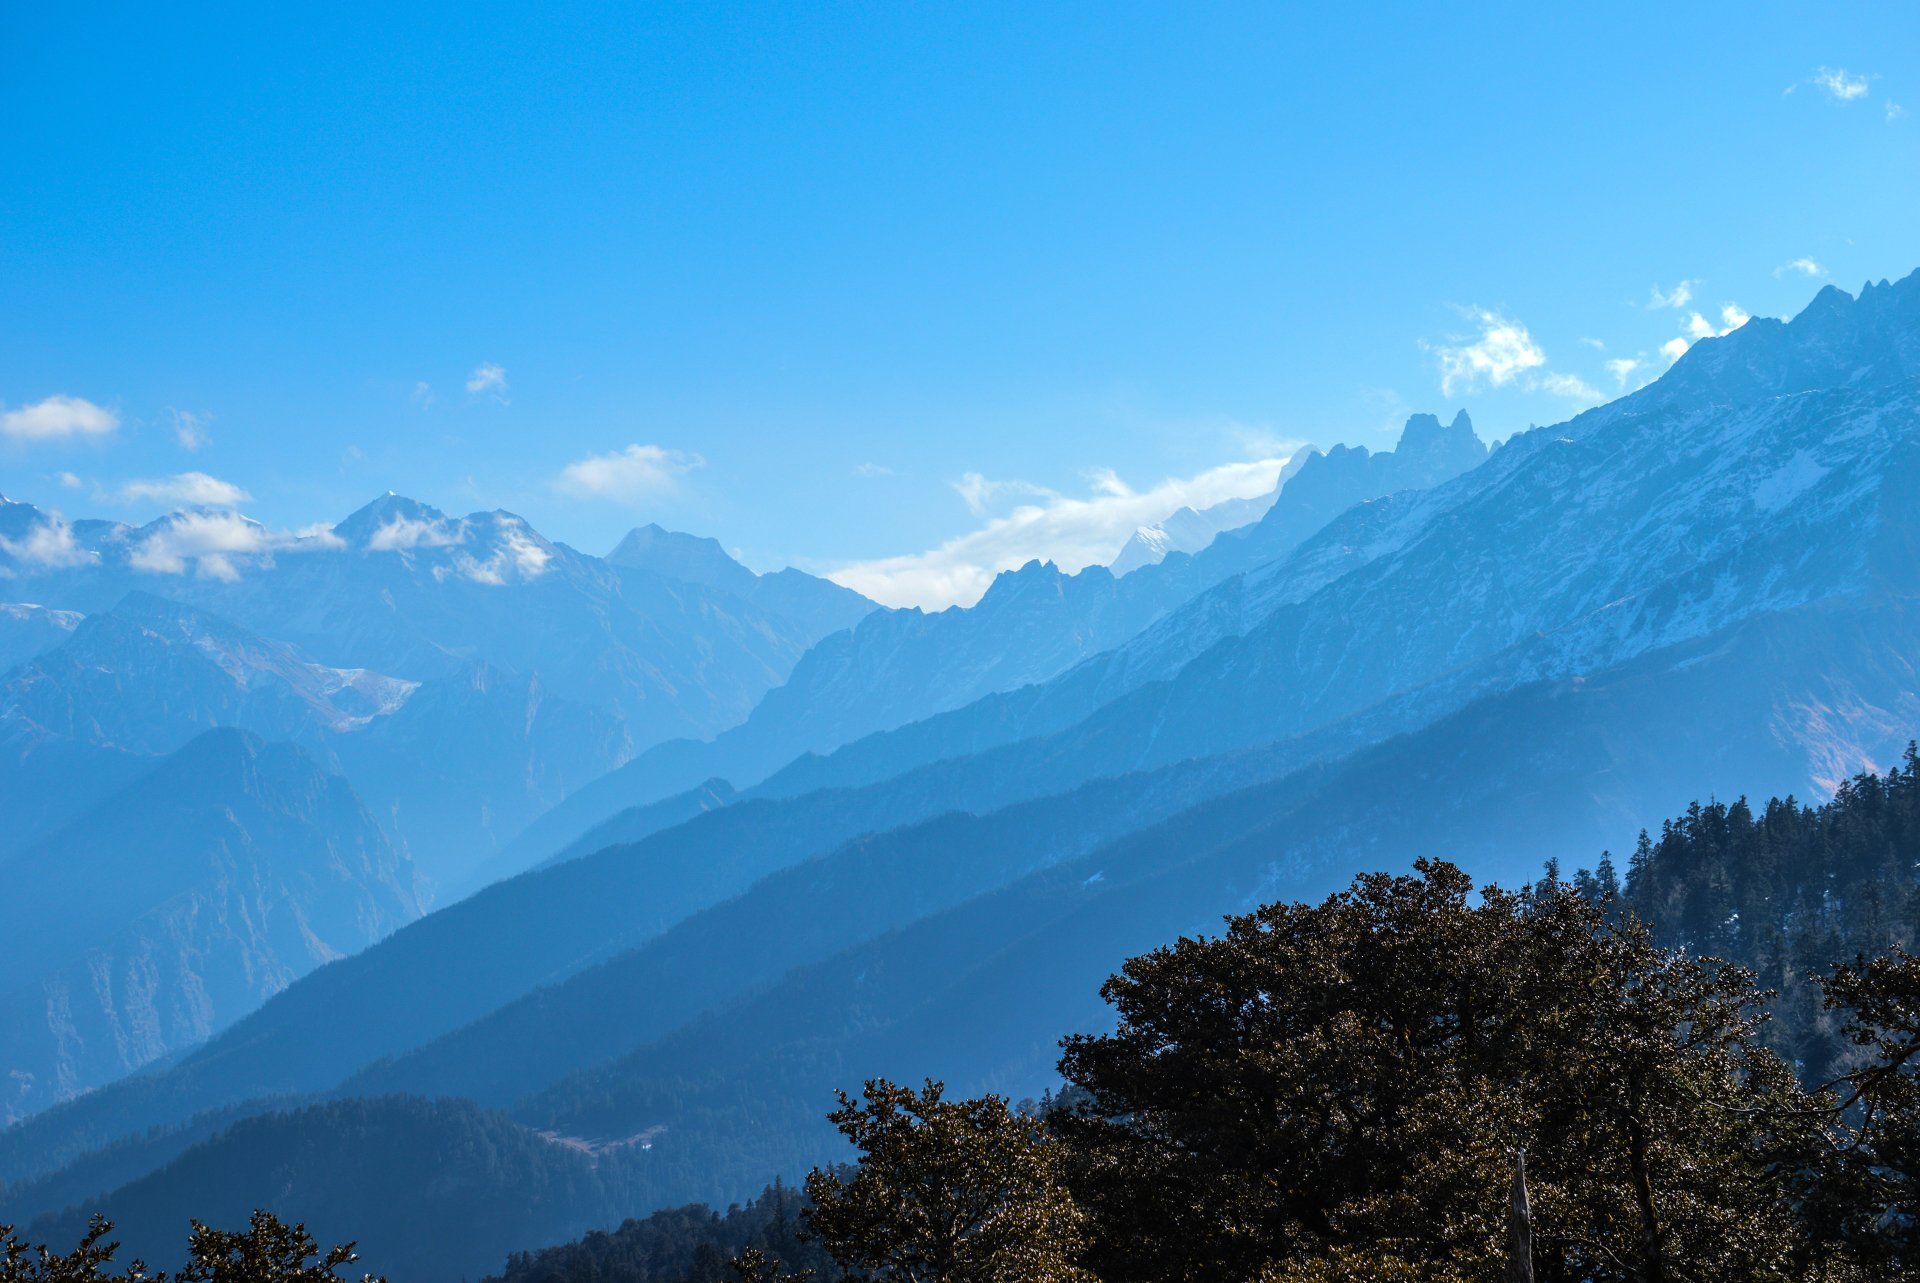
point(230, 870)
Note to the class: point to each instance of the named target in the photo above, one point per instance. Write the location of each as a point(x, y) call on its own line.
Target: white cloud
point(1071, 532)
point(70, 481)
point(48, 545)
point(195, 488)
point(1894, 112)
point(423, 390)
point(629, 475)
point(1622, 368)
point(516, 549)
point(1677, 297)
point(402, 533)
point(58, 418)
point(1732, 317)
point(190, 429)
point(486, 377)
point(1840, 84)
point(1804, 266)
point(1598, 345)
point(1674, 349)
point(1503, 352)
point(1571, 386)
point(979, 493)
point(871, 470)
point(209, 540)
point(318, 537)
point(214, 545)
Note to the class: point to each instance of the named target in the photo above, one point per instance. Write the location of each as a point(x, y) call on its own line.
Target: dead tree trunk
point(1519, 1225)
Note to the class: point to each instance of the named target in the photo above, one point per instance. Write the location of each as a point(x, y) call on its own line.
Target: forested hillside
point(1787, 890)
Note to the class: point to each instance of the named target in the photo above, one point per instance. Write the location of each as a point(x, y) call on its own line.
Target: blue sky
point(905, 292)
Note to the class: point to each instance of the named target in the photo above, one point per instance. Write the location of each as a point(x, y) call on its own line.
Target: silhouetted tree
point(1879, 1201)
point(1351, 1077)
point(268, 1251)
point(946, 1191)
point(91, 1260)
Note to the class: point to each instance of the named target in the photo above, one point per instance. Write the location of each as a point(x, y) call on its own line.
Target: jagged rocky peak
point(17, 517)
point(689, 558)
point(1424, 437)
point(1036, 575)
point(1837, 340)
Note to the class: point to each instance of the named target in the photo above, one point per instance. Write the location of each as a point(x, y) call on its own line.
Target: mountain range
point(918, 845)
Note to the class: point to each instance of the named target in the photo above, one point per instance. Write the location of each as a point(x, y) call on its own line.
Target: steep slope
point(898, 667)
point(815, 607)
point(178, 905)
point(469, 760)
point(873, 884)
point(640, 822)
point(472, 1187)
point(27, 630)
point(48, 779)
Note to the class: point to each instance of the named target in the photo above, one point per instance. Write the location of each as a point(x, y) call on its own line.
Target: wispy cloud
point(979, 493)
point(627, 476)
point(872, 470)
point(1677, 297)
point(190, 429)
point(194, 488)
point(486, 378)
point(1501, 353)
point(1674, 349)
point(57, 418)
point(1801, 266)
point(1894, 112)
point(1622, 368)
point(70, 480)
point(1071, 531)
point(47, 545)
point(1840, 84)
point(514, 550)
point(1571, 386)
point(402, 533)
point(422, 394)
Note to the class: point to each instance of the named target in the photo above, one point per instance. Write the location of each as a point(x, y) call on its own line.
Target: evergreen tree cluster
point(692, 1244)
point(1787, 892)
